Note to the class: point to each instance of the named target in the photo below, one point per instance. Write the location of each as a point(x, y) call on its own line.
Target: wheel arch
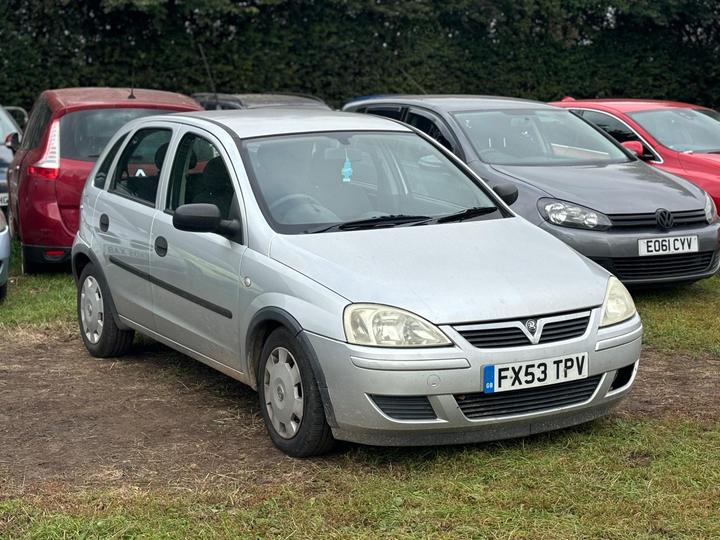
point(263, 323)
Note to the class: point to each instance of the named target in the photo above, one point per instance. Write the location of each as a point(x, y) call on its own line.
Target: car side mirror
point(204, 218)
point(12, 141)
point(635, 147)
point(507, 192)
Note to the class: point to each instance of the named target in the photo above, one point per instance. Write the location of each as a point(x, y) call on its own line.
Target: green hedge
point(338, 49)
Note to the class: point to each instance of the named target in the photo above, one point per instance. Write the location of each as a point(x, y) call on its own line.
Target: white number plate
point(521, 375)
point(669, 244)
point(3, 199)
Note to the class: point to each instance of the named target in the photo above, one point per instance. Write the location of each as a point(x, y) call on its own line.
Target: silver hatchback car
point(364, 280)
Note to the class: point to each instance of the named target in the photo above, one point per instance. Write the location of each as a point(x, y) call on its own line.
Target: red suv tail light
point(49, 164)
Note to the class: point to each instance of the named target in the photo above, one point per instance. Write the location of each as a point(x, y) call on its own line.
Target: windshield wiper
point(462, 215)
point(370, 223)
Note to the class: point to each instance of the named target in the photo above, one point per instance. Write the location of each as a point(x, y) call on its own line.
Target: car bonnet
point(450, 273)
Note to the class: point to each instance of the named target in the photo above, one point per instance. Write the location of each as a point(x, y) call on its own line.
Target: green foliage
point(338, 49)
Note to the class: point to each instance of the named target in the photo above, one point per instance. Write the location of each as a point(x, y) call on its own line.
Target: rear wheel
point(100, 334)
point(27, 264)
point(290, 400)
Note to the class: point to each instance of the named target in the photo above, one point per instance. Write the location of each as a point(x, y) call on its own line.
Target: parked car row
point(417, 274)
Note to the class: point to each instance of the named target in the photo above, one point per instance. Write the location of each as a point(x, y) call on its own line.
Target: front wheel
point(290, 401)
point(100, 334)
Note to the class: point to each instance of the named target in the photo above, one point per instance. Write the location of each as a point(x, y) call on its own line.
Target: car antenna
point(407, 75)
point(132, 84)
point(209, 75)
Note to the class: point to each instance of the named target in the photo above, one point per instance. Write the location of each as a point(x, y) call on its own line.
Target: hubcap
point(283, 392)
point(92, 314)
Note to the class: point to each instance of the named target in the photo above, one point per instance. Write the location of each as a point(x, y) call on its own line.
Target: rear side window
point(37, 124)
point(138, 169)
point(84, 134)
point(101, 174)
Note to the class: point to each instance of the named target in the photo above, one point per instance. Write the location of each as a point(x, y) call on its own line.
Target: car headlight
point(384, 326)
point(710, 210)
point(567, 214)
point(618, 305)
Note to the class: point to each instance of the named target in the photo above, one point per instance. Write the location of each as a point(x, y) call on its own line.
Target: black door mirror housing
point(12, 141)
point(204, 218)
point(507, 192)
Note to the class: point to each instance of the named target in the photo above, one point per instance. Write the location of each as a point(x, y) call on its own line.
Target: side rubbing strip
point(168, 287)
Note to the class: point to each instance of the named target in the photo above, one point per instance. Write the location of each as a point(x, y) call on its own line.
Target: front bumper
point(4, 255)
point(617, 251)
point(353, 374)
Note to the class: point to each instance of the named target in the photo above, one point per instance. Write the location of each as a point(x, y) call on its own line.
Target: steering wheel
point(295, 198)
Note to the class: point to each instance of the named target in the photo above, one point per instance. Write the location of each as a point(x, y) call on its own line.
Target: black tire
point(27, 265)
point(313, 436)
point(3, 292)
point(112, 341)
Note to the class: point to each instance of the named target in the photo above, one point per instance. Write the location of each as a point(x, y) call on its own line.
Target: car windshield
point(536, 137)
point(684, 130)
point(307, 182)
point(84, 134)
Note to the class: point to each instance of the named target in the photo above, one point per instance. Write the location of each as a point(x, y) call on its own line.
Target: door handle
point(104, 222)
point(161, 246)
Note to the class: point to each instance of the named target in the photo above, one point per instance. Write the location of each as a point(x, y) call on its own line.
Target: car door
point(196, 275)
point(123, 220)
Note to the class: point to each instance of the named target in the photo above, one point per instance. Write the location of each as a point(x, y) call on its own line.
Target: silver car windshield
point(682, 130)
point(536, 137)
point(351, 180)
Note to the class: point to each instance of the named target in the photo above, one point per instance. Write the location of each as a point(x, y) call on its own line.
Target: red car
point(679, 138)
point(65, 134)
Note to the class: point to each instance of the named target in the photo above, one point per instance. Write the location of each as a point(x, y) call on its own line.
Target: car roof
point(266, 121)
point(249, 101)
point(452, 103)
point(91, 97)
point(626, 105)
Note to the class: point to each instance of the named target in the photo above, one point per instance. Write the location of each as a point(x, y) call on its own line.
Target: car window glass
point(312, 179)
point(138, 169)
point(7, 124)
point(101, 174)
point(536, 137)
point(617, 130)
point(387, 112)
point(682, 130)
point(430, 127)
point(38, 122)
point(199, 175)
point(85, 133)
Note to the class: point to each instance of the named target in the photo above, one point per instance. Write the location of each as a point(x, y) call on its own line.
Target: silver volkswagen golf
point(364, 280)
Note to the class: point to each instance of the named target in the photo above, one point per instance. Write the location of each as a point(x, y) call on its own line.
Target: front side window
point(305, 181)
point(617, 130)
point(394, 112)
point(431, 127)
point(682, 130)
point(84, 134)
point(199, 175)
point(101, 174)
point(138, 169)
point(536, 137)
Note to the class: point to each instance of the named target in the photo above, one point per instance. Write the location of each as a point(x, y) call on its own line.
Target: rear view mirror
point(507, 192)
point(12, 141)
point(204, 218)
point(635, 147)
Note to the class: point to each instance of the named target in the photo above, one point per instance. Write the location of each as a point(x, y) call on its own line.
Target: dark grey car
point(644, 225)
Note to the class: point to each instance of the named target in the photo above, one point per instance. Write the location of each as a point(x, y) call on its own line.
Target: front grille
point(686, 218)
point(480, 405)
point(660, 266)
point(405, 407)
point(513, 336)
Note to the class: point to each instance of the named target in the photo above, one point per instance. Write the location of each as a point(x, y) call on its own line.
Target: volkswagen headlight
point(567, 214)
point(384, 326)
point(710, 210)
point(618, 305)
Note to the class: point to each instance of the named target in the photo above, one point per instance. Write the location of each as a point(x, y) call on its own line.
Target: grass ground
point(622, 477)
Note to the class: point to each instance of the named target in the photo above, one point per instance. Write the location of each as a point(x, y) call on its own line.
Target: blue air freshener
point(347, 170)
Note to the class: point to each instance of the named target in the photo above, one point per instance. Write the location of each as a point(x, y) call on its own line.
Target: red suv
point(65, 134)
point(679, 138)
